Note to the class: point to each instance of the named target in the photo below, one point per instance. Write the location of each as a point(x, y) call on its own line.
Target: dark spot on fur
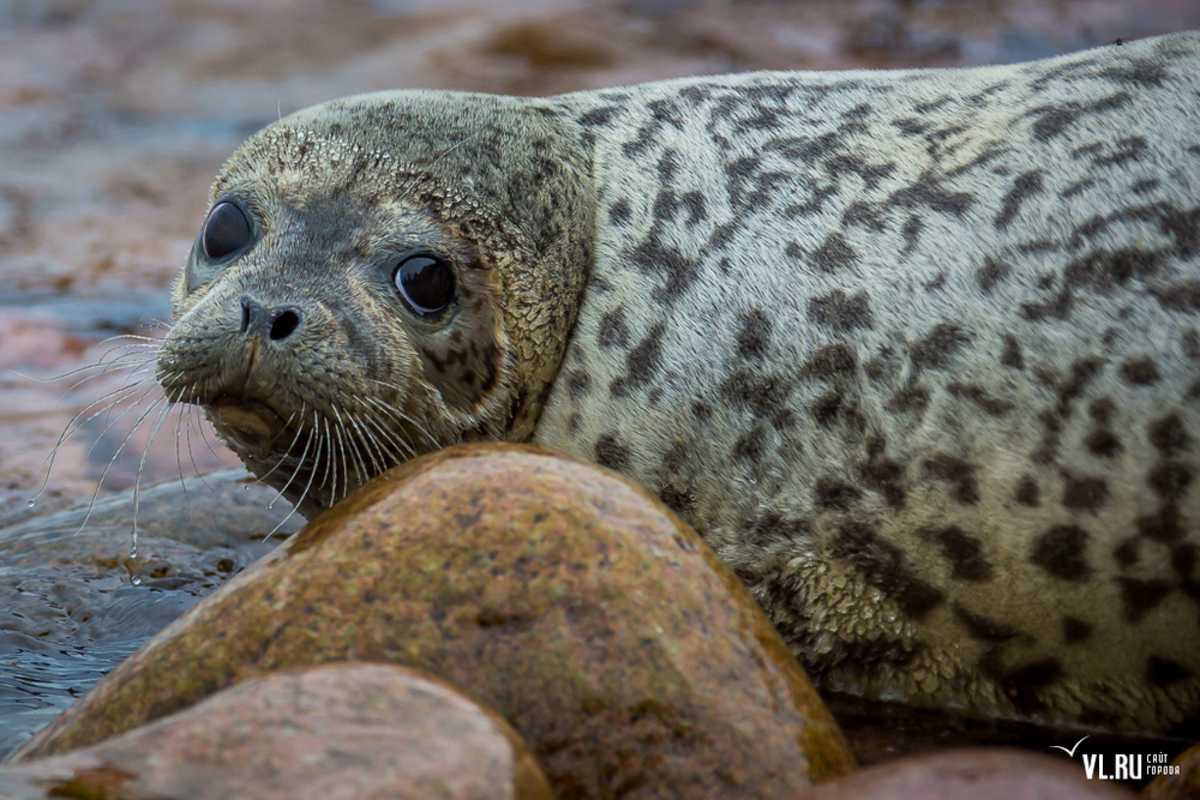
point(578, 383)
point(1075, 630)
point(882, 565)
point(962, 550)
point(693, 203)
point(831, 361)
point(1012, 357)
point(1078, 187)
point(961, 474)
point(994, 406)
point(641, 363)
point(883, 475)
point(1061, 551)
point(825, 409)
point(1027, 493)
point(1141, 597)
point(1128, 552)
point(990, 273)
point(1025, 185)
point(722, 236)
point(1163, 671)
point(1168, 435)
point(1101, 409)
point(938, 346)
point(911, 400)
point(750, 446)
point(1021, 685)
point(1191, 344)
point(774, 529)
point(1104, 270)
point(613, 332)
point(611, 453)
point(764, 395)
point(1053, 120)
point(1104, 443)
point(674, 499)
point(599, 116)
point(834, 254)
point(1084, 494)
point(701, 411)
point(1163, 525)
point(1145, 185)
point(834, 494)
point(983, 629)
point(1183, 296)
point(912, 233)
point(927, 190)
point(619, 212)
point(1183, 559)
point(1057, 308)
point(1170, 480)
point(867, 215)
point(840, 312)
point(755, 334)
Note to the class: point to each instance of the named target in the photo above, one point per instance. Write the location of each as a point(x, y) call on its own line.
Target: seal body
point(915, 351)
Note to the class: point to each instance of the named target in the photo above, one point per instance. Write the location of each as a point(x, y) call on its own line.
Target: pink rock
point(970, 774)
point(342, 731)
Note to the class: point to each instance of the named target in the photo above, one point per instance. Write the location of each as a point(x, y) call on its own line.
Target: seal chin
point(246, 418)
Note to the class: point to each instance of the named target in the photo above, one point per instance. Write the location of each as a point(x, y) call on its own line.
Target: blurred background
point(115, 114)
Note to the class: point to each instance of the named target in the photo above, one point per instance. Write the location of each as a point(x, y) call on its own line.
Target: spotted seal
point(915, 351)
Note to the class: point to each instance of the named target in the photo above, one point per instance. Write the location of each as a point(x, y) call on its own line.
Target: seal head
point(378, 279)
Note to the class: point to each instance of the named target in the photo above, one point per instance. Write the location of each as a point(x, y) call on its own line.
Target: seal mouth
point(248, 415)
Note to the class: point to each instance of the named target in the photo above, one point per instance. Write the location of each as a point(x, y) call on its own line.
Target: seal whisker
point(137, 480)
point(400, 416)
point(351, 442)
point(374, 448)
point(308, 440)
point(404, 449)
point(287, 451)
point(120, 449)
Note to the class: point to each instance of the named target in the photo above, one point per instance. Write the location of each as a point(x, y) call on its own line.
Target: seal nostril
point(286, 321)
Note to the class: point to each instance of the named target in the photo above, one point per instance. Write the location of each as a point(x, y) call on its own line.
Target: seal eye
point(426, 284)
point(225, 231)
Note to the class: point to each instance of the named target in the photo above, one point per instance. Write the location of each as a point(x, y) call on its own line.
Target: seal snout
point(273, 324)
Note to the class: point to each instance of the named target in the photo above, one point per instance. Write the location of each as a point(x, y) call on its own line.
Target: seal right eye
point(426, 284)
point(225, 231)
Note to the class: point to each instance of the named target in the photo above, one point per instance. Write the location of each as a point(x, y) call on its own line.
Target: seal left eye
point(225, 231)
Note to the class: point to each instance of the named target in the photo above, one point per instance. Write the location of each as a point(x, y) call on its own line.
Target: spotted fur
point(915, 351)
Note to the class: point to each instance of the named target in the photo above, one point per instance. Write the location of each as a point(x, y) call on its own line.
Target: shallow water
point(115, 114)
point(76, 601)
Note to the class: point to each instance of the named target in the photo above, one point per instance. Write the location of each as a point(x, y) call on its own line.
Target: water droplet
point(31, 504)
point(136, 580)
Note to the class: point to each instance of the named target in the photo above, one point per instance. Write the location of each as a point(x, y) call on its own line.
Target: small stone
point(1180, 782)
point(340, 732)
point(564, 596)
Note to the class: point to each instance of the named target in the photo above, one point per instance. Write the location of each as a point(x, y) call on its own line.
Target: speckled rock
point(1181, 782)
point(971, 774)
point(339, 732)
point(561, 594)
